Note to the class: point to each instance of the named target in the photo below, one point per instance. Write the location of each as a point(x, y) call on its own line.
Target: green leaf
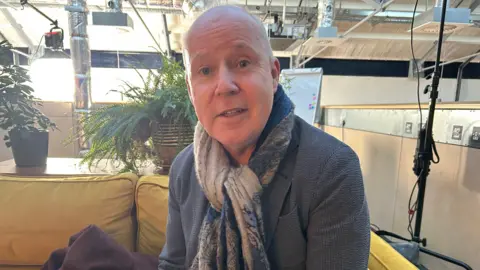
point(18, 105)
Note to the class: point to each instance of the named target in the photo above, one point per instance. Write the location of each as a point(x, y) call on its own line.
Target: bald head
point(228, 14)
point(230, 67)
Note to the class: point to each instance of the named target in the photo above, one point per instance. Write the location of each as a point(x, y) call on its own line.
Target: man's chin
point(234, 140)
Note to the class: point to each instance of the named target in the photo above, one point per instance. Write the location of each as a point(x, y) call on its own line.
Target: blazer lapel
point(275, 194)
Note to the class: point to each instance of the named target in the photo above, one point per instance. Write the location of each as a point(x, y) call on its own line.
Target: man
point(259, 188)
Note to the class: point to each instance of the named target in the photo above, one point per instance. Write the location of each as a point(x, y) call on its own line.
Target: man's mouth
point(233, 112)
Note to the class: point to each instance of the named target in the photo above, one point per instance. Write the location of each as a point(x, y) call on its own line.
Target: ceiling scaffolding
point(369, 29)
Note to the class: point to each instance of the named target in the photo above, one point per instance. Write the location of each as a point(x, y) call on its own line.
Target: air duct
point(326, 33)
point(113, 17)
point(429, 21)
point(325, 13)
point(80, 54)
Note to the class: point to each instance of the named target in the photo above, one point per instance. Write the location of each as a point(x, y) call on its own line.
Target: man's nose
point(226, 84)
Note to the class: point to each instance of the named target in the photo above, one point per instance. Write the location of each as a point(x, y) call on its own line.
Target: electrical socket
point(457, 132)
point(408, 127)
point(475, 138)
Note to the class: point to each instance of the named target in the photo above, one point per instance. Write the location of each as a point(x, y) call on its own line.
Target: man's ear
point(275, 73)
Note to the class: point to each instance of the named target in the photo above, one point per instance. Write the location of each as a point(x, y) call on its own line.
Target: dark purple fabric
point(93, 249)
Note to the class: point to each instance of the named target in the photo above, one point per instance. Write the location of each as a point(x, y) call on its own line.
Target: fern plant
point(122, 132)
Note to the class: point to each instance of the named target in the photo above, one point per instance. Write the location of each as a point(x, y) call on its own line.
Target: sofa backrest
point(38, 215)
point(151, 199)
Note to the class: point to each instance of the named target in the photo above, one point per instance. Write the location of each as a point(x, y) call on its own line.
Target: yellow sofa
point(38, 215)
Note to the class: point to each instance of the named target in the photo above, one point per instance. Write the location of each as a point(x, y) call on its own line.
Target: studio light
point(52, 76)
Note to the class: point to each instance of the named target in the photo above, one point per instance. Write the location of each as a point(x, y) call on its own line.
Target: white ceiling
point(372, 40)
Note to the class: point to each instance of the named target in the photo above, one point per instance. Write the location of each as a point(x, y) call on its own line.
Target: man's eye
point(243, 63)
point(205, 71)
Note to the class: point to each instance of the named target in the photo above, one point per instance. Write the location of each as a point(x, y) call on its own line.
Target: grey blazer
point(315, 211)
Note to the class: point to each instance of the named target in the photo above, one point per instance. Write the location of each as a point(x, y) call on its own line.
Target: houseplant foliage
point(26, 125)
point(124, 132)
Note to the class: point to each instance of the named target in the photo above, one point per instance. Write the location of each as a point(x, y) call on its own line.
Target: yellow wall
point(451, 216)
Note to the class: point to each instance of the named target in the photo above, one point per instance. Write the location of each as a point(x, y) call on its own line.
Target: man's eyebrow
point(197, 55)
point(242, 45)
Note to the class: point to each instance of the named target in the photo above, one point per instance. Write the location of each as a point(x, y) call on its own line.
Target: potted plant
point(26, 126)
point(155, 124)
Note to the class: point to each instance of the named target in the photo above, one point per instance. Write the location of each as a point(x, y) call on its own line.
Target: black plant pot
point(29, 148)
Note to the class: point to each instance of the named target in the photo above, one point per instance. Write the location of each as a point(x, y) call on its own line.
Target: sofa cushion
point(38, 215)
point(385, 257)
point(152, 211)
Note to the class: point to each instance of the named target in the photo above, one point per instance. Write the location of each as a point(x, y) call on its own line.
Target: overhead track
point(381, 8)
point(474, 40)
point(150, 8)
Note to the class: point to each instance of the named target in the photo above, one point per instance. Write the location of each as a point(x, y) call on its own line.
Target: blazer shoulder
point(319, 145)
point(181, 168)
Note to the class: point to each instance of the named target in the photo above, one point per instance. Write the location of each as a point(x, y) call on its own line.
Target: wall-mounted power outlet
point(475, 138)
point(408, 127)
point(457, 132)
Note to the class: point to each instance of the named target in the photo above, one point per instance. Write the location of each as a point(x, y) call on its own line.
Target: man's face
point(231, 79)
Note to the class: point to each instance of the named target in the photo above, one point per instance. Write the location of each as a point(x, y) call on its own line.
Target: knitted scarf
point(232, 234)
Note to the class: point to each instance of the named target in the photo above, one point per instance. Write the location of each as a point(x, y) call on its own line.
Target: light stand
point(424, 154)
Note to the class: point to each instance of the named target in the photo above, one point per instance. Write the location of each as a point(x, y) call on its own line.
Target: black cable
point(412, 208)
point(415, 62)
point(38, 46)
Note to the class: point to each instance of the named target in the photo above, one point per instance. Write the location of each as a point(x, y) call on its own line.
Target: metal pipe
point(114, 5)
point(167, 35)
point(144, 24)
point(418, 37)
point(81, 60)
point(451, 61)
point(54, 22)
point(8, 4)
point(21, 53)
point(325, 19)
point(18, 28)
point(313, 56)
point(460, 75)
point(374, 20)
point(457, 3)
point(349, 4)
point(16, 59)
point(438, 3)
point(381, 9)
point(299, 55)
point(325, 13)
point(474, 5)
point(150, 8)
point(284, 12)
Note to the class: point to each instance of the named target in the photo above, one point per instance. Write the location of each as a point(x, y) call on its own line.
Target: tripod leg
point(445, 258)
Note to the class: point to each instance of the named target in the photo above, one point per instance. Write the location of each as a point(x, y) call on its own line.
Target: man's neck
point(241, 155)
